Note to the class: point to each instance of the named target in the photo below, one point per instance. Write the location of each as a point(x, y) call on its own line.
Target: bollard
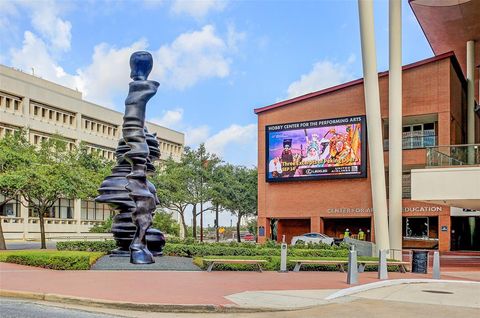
point(283, 257)
point(382, 264)
point(436, 265)
point(352, 275)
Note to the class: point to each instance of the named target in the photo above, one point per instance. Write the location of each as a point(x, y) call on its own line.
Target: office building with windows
point(45, 109)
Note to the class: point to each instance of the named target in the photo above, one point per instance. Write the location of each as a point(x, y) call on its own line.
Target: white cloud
point(324, 74)
point(34, 57)
point(233, 135)
point(197, 135)
point(191, 57)
point(46, 21)
point(170, 118)
point(109, 72)
point(197, 8)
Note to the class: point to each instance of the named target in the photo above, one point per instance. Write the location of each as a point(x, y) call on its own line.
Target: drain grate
point(437, 292)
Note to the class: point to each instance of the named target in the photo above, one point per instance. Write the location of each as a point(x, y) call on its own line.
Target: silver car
point(312, 238)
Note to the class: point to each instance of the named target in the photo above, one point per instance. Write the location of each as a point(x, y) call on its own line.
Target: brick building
point(434, 113)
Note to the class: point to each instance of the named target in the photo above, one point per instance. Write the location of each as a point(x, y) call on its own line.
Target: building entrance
point(465, 234)
point(291, 228)
point(336, 227)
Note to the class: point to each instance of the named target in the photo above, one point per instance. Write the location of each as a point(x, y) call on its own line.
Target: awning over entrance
point(448, 25)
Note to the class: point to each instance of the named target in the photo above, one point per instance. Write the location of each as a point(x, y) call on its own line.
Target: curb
point(393, 282)
point(146, 307)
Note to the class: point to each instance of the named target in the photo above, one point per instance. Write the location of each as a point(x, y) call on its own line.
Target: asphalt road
point(28, 245)
point(350, 307)
point(12, 308)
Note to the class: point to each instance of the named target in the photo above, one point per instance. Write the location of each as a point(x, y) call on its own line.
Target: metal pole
point(436, 265)
point(382, 265)
point(374, 124)
point(395, 128)
point(352, 275)
point(283, 256)
point(470, 99)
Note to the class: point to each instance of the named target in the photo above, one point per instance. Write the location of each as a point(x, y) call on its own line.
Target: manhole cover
point(437, 292)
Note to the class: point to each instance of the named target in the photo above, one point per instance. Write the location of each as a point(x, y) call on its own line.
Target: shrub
point(88, 246)
point(273, 264)
point(104, 227)
point(52, 259)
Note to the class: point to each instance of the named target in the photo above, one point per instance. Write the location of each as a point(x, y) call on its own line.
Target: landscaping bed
point(273, 263)
point(59, 260)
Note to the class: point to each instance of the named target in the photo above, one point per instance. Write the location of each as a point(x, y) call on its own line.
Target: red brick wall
point(427, 89)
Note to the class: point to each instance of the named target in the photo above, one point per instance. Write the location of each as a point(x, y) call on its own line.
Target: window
point(417, 227)
point(418, 135)
point(11, 208)
point(36, 110)
point(92, 210)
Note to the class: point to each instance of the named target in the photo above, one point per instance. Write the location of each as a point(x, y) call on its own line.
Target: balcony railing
point(453, 155)
point(415, 142)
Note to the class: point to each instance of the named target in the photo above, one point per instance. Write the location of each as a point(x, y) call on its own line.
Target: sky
point(215, 60)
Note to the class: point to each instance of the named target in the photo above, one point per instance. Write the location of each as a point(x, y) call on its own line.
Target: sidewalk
point(195, 290)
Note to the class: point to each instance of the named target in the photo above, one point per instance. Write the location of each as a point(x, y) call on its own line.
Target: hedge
point(190, 249)
point(273, 263)
point(65, 260)
point(87, 246)
point(210, 249)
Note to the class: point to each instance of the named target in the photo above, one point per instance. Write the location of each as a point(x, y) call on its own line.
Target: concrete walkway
point(190, 291)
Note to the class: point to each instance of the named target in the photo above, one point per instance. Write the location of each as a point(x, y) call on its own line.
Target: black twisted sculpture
point(128, 190)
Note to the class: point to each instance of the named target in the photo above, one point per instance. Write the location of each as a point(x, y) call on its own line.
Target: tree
point(164, 221)
point(242, 193)
point(171, 181)
point(201, 165)
point(218, 185)
point(15, 153)
point(56, 173)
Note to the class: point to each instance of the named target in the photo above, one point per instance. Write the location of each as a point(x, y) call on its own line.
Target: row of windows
point(7, 130)
point(167, 149)
point(105, 153)
point(92, 210)
point(62, 209)
point(97, 127)
point(52, 115)
point(37, 139)
point(10, 103)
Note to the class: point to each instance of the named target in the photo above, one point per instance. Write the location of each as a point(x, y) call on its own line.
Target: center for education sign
point(318, 149)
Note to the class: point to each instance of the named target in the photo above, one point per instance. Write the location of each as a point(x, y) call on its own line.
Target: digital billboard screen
point(318, 149)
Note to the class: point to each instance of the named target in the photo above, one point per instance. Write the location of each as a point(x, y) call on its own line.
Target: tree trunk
point(194, 221)
point(2, 238)
point(217, 234)
point(42, 229)
point(182, 219)
point(201, 221)
point(238, 227)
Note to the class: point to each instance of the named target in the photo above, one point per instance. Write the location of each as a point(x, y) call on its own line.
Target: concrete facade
point(44, 109)
point(433, 97)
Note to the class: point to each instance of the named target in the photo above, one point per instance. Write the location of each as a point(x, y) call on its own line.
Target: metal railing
point(453, 155)
point(415, 142)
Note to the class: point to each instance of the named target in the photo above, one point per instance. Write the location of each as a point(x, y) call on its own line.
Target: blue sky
point(216, 60)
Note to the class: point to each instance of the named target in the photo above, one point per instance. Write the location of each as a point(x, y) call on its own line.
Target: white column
point(374, 124)
point(470, 96)
point(77, 213)
point(395, 128)
point(24, 216)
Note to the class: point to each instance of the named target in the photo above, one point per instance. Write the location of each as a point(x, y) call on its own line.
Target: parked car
point(312, 238)
point(248, 237)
